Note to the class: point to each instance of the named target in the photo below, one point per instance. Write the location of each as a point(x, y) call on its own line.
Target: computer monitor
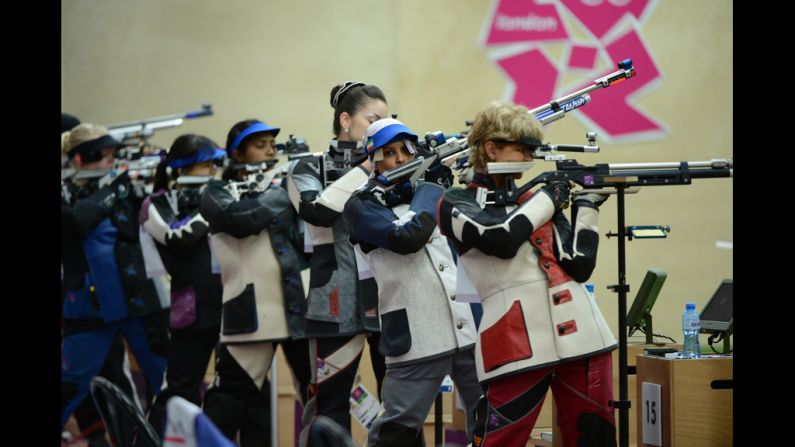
point(718, 315)
point(639, 315)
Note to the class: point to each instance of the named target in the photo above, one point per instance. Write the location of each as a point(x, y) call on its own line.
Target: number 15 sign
point(651, 404)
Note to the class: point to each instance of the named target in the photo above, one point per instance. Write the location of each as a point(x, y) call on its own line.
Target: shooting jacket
point(415, 269)
point(182, 241)
point(338, 303)
point(527, 264)
point(104, 278)
point(255, 242)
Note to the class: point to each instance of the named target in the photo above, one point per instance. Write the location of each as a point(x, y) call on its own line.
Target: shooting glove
point(559, 192)
point(439, 174)
point(591, 200)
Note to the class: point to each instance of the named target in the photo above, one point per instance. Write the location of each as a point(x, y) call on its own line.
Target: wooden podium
point(695, 399)
point(634, 349)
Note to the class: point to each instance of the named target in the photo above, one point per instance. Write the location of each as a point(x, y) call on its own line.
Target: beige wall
point(277, 61)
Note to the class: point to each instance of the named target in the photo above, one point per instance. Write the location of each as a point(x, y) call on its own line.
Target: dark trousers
point(377, 359)
point(84, 353)
point(187, 364)
point(188, 357)
point(87, 416)
point(334, 362)
point(241, 381)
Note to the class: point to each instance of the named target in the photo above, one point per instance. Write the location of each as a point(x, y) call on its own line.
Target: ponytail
point(161, 176)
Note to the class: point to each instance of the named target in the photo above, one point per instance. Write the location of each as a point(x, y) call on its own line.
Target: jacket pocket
point(183, 308)
point(240, 313)
point(323, 303)
point(82, 302)
point(395, 334)
point(506, 340)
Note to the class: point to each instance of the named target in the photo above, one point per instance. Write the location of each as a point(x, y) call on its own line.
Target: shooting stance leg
point(240, 373)
point(408, 394)
point(333, 363)
point(514, 403)
point(582, 390)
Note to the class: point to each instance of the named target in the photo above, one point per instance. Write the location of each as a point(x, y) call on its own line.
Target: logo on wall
point(537, 42)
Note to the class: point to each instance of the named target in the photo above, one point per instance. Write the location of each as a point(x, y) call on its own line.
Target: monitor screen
point(718, 314)
point(639, 314)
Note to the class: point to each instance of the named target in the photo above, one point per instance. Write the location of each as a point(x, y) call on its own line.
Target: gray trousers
point(409, 391)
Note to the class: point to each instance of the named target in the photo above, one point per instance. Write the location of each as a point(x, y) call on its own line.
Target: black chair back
point(123, 419)
point(327, 433)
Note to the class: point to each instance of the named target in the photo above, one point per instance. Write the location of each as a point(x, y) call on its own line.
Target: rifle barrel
point(543, 114)
point(206, 110)
point(714, 163)
point(574, 148)
point(697, 173)
point(548, 115)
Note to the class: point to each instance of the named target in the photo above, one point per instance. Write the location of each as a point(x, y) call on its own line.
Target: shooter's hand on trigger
point(559, 191)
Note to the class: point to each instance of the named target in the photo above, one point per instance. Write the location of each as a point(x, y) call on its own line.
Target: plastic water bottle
point(691, 325)
point(589, 287)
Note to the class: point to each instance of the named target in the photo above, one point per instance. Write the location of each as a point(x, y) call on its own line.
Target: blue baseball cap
point(257, 127)
point(385, 131)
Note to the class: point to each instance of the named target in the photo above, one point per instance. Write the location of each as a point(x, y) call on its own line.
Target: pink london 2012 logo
point(519, 36)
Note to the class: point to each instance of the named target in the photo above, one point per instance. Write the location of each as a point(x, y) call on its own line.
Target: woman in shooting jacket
point(106, 291)
point(342, 311)
point(425, 333)
point(255, 239)
point(540, 328)
point(171, 218)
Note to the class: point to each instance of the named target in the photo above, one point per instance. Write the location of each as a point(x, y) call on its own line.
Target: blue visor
point(203, 154)
point(257, 127)
point(386, 131)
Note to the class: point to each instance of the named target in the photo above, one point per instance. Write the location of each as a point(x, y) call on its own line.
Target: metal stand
point(622, 404)
point(648, 331)
point(437, 420)
point(274, 391)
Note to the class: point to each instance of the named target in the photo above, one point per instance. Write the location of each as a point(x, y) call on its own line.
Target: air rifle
point(438, 148)
point(456, 149)
point(347, 154)
point(258, 178)
point(558, 108)
point(139, 170)
point(605, 177)
point(143, 129)
point(292, 146)
point(142, 168)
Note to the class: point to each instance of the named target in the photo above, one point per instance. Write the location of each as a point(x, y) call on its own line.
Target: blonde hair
point(85, 132)
point(65, 143)
point(497, 121)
